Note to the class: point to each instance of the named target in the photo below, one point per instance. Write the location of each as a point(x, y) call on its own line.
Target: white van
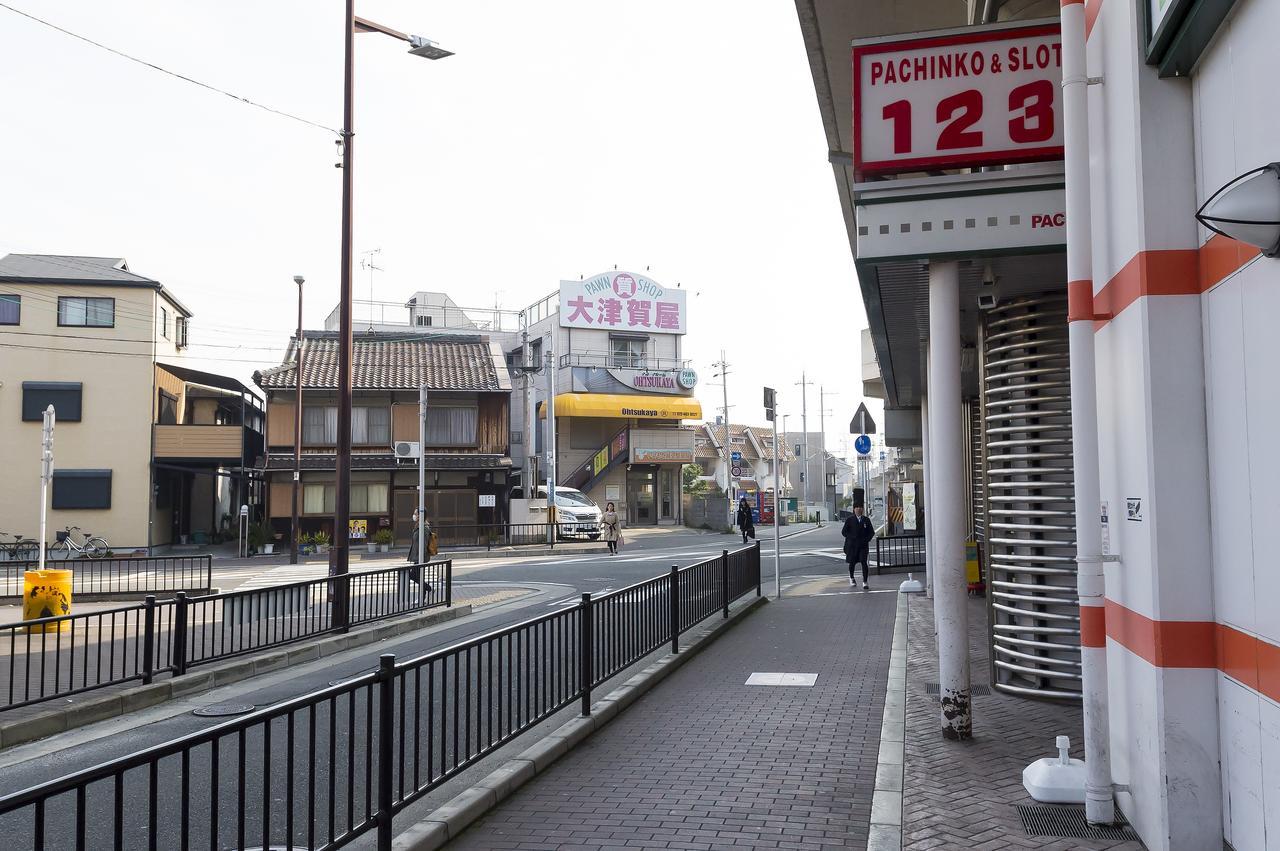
point(578, 513)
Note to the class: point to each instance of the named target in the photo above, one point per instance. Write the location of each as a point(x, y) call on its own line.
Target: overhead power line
point(162, 70)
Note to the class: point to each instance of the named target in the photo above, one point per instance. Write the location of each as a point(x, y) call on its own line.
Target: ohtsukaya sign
point(622, 301)
point(956, 98)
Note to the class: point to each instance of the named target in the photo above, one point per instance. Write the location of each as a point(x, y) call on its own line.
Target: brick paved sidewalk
point(706, 762)
point(961, 796)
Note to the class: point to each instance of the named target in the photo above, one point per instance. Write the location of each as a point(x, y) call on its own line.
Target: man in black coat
point(858, 533)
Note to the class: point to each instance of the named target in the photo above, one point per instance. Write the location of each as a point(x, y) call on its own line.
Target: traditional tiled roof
point(741, 442)
point(391, 362)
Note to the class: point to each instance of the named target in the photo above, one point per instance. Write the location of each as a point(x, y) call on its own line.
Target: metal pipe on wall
point(1099, 794)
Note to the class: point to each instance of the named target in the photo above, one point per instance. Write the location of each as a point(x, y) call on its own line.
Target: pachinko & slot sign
point(957, 98)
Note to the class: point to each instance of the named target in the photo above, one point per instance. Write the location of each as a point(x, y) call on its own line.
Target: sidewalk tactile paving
point(706, 762)
point(964, 795)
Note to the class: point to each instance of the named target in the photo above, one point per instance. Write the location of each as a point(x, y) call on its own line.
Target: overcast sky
point(563, 138)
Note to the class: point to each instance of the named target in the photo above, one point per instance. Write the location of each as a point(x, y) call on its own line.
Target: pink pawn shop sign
point(622, 301)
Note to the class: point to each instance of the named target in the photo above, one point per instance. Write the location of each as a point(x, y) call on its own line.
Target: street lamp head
point(299, 280)
point(1248, 209)
point(427, 48)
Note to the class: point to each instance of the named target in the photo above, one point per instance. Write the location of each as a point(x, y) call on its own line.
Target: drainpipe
point(1090, 580)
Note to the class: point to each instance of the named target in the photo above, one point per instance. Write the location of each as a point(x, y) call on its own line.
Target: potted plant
point(370, 543)
point(305, 544)
point(321, 541)
point(257, 537)
point(383, 539)
point(262, 537)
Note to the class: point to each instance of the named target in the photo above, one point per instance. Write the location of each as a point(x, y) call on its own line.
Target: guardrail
point(110, 576)
point(321, 770)
point(55, 657)
point(492, 535)
point(899, 551)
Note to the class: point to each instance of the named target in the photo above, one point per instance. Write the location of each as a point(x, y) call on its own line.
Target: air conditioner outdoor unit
point(408, 449)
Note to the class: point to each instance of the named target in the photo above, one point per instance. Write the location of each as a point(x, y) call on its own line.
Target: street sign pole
point(46, 473)
point(423, 550)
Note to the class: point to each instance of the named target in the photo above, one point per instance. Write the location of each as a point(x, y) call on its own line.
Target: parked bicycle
point(19, 549)
point(66, 547)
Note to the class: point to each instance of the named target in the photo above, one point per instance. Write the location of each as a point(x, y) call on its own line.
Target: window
point(369, 426)
point(626, 352)
point(168, 409)
point(81, 489)
point(164, 323)
point(63, 395)
point(370, 498)
point(452, 426)
point(87, 312)
point(421, 320)
point(180, 331)
point(318, 499)
point(10, 309)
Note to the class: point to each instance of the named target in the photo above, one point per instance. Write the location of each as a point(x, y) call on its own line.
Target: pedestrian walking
point(858, 533)
point(612, 534)
point(416, 574)
point(746, 522)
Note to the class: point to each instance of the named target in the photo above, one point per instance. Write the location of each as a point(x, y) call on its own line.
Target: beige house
point(146, 451)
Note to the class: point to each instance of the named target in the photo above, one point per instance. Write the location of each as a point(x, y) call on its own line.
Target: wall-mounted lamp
point(1247, 209)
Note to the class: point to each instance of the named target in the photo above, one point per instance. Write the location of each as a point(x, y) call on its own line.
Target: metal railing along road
point(492, 535)
point(118, 575)
point(55, 657)
point(895, 551)
point(321, 770)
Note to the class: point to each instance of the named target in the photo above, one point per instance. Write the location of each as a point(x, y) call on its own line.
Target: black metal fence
point(492, 535)
point(111, 576)
point(899, 551)
point(322, 770)
point(54, 657)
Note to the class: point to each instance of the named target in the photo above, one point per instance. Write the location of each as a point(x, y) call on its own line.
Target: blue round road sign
point(862, 444)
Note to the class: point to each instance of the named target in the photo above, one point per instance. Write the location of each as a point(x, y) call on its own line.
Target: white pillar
point(947, 503)
point(927, 497)
point(1090, 581)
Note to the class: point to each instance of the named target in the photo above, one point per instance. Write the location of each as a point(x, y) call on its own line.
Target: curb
point(102, 707)
point(886, 801)
point(448, 821)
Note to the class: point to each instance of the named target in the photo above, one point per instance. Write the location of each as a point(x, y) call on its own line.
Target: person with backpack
point(745, 521)
point(858, 533)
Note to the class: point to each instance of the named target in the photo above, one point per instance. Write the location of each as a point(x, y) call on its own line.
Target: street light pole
point(294, 532)
point(340, 557)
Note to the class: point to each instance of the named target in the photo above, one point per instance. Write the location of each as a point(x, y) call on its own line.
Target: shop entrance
point(642, 495)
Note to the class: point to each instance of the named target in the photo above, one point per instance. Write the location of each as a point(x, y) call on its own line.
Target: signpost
point(46, 474)
point(964, 97)
point(771, 413)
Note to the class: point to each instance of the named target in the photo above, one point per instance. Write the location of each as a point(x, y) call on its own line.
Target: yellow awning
point(653, 407)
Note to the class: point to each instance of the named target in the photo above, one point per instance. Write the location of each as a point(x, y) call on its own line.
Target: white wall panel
point(1242, 742)
point(1230, 491)
point(1269, 715)
point(1137, 752)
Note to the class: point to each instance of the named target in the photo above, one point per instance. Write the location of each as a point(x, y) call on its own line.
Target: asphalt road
point(264, 770)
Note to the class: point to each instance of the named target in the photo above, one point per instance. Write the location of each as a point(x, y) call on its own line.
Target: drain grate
point(217, 710)
point(1067, 821)
point(976, 690)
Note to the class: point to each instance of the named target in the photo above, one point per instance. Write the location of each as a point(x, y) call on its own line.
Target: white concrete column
point(947, 500)
point(927, 497)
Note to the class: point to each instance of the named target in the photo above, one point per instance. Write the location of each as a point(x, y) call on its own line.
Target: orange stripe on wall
point(1093, 626)
point(1091, 10)
point(1182, 271)
point(1190, 644)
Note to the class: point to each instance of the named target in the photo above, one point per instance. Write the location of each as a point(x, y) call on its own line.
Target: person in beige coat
point(612, 528)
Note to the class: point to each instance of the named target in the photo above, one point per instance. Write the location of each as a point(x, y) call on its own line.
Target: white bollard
point(911, 585)
point(1056, 780)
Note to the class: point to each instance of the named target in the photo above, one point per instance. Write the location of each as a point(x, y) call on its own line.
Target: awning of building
point(625, 407)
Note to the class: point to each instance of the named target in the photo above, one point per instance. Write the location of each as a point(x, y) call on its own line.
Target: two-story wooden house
point(467, 431)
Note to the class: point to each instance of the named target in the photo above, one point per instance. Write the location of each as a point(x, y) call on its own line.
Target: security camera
point(988, 301)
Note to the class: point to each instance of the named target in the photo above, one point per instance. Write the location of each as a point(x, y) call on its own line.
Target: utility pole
point(723, 365)
point(551, 439)
point(295, 533)
point(804, 424)
point(530, 414)
point(771, 414)
point(424, 555)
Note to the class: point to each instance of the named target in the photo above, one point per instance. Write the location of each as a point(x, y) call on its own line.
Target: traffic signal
point(770, 403)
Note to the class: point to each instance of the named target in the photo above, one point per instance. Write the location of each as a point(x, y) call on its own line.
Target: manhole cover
point(218, 710)
point(977, 690)
point(805, 680)
point(1067, 821)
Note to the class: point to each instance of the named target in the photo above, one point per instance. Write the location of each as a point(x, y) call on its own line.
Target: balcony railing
point(612, 361)
point(204, 442)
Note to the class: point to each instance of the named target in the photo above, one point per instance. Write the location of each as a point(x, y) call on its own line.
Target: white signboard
point(622, 301)
point(488, 500)
point(909, 506)
point(957, 98)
